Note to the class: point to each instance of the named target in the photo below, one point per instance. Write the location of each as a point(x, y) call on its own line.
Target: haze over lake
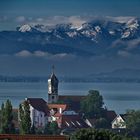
point(117, 96)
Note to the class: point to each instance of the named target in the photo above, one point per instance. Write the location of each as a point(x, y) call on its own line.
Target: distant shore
point(70, 79)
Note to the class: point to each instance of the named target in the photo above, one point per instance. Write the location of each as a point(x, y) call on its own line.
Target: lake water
point(117, 96)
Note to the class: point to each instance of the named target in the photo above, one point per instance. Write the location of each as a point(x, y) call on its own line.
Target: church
point(54, 97)
point(60, 108)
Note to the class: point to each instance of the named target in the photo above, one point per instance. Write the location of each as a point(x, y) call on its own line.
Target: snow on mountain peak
point(98, 29)
point(79, 28)
point(133, 23)
point(25, 28)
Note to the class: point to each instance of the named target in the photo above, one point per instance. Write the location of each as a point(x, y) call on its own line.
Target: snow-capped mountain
point(25, 28)
point(34, 28)
point(95, 37)
point(132, 28)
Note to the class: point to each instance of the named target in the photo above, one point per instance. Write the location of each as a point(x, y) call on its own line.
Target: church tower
point(53, 88)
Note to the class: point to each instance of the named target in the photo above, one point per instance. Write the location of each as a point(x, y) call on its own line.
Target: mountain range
point(93, 38)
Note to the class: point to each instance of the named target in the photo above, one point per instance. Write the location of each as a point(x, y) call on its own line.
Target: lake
point(117, 96)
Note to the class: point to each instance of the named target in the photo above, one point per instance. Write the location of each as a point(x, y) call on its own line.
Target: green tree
point(24, 116)
point(102, 123)
point(133, 121)
point(7, 125)
point(2, 116)
point(92, 105)
point(47, 129)
point(94, 134)
point(52, 128)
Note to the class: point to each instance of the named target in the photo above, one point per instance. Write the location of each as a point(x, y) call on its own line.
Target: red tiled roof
point(57, 114)
point(39, 104)
point(15, 110)
point(57, 106)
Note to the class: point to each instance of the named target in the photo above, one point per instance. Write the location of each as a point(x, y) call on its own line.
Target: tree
point(94, 134)
point(92, 104)
point(52, 128)
point(7, 126)
point(24, 116)
point(133, 121)
point(102, 123)
point(47, 129)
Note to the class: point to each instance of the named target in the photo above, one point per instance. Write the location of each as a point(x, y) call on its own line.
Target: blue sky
point(16, 12)
point(70, 7)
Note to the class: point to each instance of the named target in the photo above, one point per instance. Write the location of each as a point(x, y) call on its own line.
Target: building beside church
point(39, 112)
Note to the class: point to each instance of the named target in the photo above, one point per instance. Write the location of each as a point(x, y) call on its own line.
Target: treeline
point(25, 127)
point(22, 117)
point(7, 125)
point(92, 107)
point(22, 79)
point(98, 134)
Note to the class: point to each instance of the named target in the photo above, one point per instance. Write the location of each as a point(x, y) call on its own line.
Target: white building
point(38, 112)
point(119, 122)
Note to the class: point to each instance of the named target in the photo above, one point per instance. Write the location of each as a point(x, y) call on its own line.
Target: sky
point(14, 13)
point(17, 12)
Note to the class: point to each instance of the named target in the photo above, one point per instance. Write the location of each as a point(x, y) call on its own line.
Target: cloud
point(24, 53)
point(124, 53)
point(133, 44)
point(39, 19)
point(76, 20)
point(20, 19)
point(120, 19)
point(41, 54)
point(54, 20)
